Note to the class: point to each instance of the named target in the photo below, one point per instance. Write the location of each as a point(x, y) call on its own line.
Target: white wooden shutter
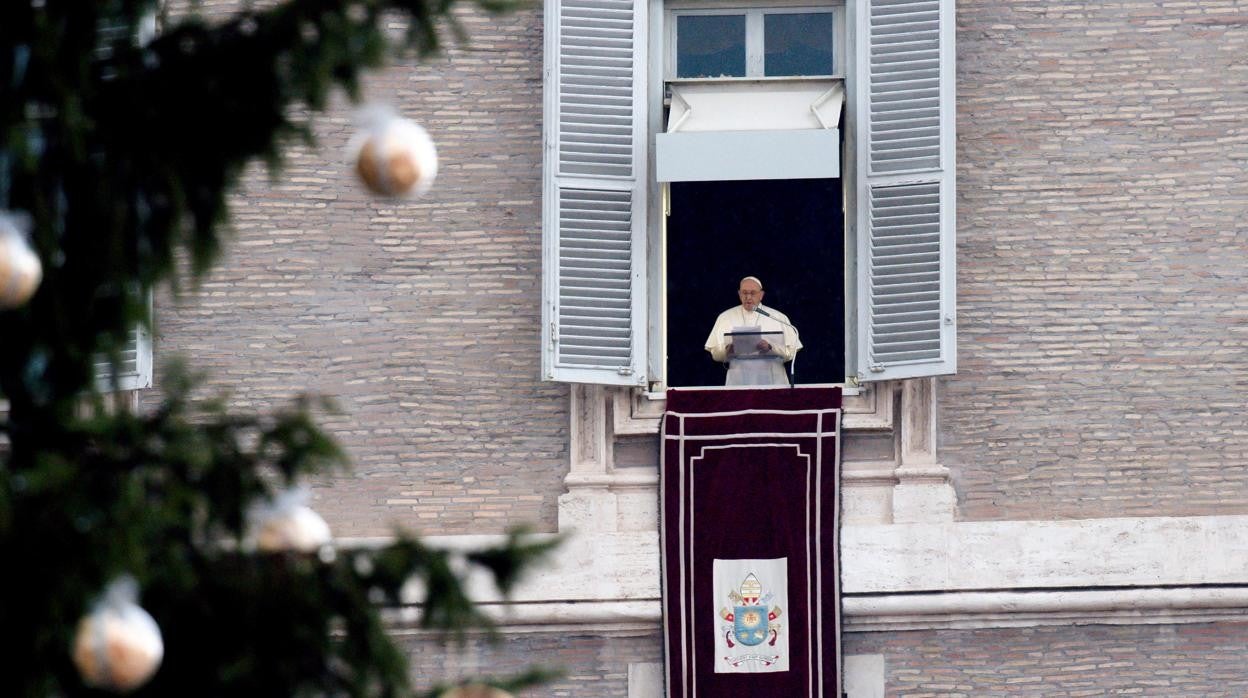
point(134, 372)
point(594, 192)
point(904, 106)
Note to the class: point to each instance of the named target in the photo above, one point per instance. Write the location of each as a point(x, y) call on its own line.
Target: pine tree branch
point(124, 152)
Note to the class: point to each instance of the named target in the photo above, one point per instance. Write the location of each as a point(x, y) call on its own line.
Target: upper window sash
point(755, 29)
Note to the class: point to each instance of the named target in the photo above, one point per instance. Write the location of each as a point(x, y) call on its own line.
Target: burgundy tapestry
point(751, 583)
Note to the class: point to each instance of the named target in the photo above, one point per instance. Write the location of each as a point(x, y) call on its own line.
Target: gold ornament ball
point(476, 690)
point(295, 528)
point(397, 159)
point(20, 270)
point(117, 648)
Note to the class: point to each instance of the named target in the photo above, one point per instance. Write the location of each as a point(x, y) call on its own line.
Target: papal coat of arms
point(752, 624)
point(751, 636)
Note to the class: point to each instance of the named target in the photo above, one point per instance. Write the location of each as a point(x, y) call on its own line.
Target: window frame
point(755, 50)
point(662, 73)
point(863, 25)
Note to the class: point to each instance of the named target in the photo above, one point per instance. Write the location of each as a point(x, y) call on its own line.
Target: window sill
point(662, 393)
point(867, 408)
point(754, 78)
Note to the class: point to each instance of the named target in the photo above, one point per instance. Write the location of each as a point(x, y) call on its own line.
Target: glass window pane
point(710, 46)
point(797, 43)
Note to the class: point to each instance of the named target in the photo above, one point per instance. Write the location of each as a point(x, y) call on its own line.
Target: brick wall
point(1174, 661)
point(1103, 242)
point(1103, 316)
point(421, 318)
point(1171, 661)
point(592, 664)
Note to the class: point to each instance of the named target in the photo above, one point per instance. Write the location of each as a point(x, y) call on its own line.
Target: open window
point(787, 232)
point(821, 133)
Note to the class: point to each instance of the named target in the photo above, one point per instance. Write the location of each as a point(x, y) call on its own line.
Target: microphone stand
point(793, 361)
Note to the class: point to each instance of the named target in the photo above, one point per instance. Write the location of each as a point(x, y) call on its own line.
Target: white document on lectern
point(745, 340)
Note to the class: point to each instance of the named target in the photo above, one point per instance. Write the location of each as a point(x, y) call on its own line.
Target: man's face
point(751, 294)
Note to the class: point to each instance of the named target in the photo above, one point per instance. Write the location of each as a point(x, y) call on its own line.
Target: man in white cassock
point(754, 339)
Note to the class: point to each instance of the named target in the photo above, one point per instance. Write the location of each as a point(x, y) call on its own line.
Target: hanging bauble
point(287, 523)
point(20, 270)
point(475, 690)
point(118, 645)
point(394, 156)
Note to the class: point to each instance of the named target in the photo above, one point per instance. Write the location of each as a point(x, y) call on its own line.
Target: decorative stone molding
point(867, 486)
point(957, 611)
point(921, 576)
point(911, 487)
point(636, 411)
point(589, 504)
point(867, 492)
point(923, 492)
point(869, 407)
point(554, 617)
point(887, 613)
point(599, 497)
point(1009, 609)
point(1073, 554)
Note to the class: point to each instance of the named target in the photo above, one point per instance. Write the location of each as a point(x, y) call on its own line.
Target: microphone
point(792, 362)
point(764, 313)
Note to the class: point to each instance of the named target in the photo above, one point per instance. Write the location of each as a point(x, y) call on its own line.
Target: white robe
point(765, 371)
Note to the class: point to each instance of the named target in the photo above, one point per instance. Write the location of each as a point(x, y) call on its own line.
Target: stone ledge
point(1013, 555)
point(966, 610)
point(959, 611)
point(924, 576)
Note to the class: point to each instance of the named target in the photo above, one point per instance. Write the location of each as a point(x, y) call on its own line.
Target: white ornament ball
point(476, 690)
point(118, 646)
point(20, 270)
point(396, 157)
point(294, 527)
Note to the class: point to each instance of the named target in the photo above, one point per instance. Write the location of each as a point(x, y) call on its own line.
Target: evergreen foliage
point(123, 145)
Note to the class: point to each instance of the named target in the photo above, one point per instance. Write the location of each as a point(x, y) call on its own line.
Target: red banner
point(751, 584)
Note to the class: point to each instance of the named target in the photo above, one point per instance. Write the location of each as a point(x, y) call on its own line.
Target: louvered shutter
point(134, 370)
point(594, 192)
point(112, 30)
point(134, 367)
point(904, 108)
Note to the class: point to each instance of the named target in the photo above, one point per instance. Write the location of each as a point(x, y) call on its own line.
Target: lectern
point(748, 365)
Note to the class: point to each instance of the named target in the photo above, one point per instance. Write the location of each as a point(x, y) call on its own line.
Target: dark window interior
point(790, 234)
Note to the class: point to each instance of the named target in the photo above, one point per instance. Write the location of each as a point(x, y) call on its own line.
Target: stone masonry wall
point(421, 318)
point(1166, 661)
point(591, 663)
point(1103, 242)
point(1170, 661)
point(1103, 319)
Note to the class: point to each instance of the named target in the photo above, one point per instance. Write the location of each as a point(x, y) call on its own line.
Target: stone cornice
point(925, 576)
